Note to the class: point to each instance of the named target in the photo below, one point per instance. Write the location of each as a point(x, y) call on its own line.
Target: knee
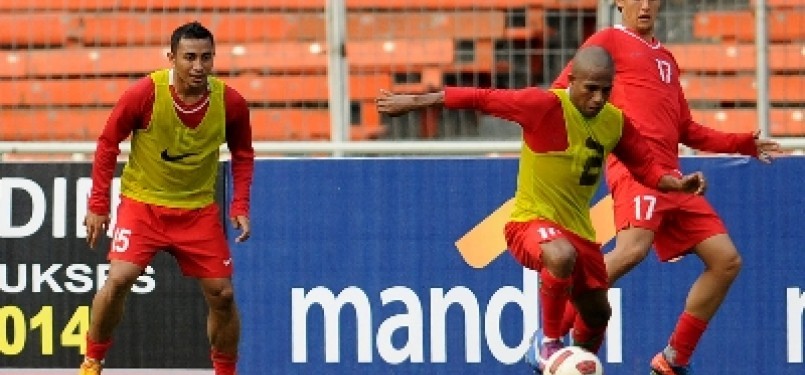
point(221, 297)
point(118, 286)
point(560, 260)
point(730, 267)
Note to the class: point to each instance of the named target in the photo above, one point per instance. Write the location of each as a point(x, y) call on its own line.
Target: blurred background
point(310, 69)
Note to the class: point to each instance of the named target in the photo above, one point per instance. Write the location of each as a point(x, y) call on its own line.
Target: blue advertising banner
point(353, 268)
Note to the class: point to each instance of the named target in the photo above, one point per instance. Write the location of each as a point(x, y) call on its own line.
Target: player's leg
point(107, 311)
point(542, 246)
point(130, 252)
point(590, 326)
point(223, 324)
point(590, 295)
point(697, 228)
point(202, 252)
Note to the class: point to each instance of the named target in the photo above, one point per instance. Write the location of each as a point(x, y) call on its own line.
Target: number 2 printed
point(644, 207)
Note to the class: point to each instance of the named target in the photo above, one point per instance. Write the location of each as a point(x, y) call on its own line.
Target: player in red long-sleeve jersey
point(177, 118)
point(647, 89)
point(566, 136)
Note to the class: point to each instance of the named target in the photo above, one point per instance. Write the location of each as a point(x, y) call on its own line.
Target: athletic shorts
point(679, 221)
point(524, 240)
point(195, 237)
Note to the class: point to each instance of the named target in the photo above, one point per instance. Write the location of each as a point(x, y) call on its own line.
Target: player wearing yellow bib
point(567, 134)
point(177, 119)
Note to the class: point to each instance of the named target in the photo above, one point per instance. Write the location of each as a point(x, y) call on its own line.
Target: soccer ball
point(573, 360)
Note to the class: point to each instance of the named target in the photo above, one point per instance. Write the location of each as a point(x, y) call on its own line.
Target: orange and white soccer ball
point(573, 360)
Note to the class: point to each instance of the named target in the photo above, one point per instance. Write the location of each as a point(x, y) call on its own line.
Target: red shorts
point(679, 221)
point(195, 237)
point(524, 240)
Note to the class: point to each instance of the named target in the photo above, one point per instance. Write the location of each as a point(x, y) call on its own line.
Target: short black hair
point(190, 30)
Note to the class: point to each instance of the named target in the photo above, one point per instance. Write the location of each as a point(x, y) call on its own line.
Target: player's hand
point(694, 183)
point(241, 222)
point(96, 227)
point(766, 148)
point(395, 104)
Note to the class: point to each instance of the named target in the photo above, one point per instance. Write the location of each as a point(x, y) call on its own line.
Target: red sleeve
point(637, 156)
point(519, 106)
point(703, 138)
point(239, 142)
point(602, 38)
point(128, 114)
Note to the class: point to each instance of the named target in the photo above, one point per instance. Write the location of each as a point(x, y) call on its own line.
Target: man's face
point(192, 62)
point(639, 15)
point(590, 90)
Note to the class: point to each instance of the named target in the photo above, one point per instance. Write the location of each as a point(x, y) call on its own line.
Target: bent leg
point(722, 263)
point(594, 312)
point(108, 306)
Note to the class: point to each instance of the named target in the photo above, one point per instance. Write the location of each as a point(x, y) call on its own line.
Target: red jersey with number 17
point(648, 90)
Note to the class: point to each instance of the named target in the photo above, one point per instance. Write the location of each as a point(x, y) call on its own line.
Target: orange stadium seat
point(301, 88)
point(789, 57)
point(27, 29)
point(783, 122)
point(70, 124)
point(14, 64)
point(782, 89)
point(154, 28)
point(256, 89)
point(37, 92)
point(282, 4)
point(781, 3)
point(415, 24)
point(238, 58)
point(783, 25)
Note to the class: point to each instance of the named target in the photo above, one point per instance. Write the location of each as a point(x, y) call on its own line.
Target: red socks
point(569, 318)
point(554, 294)
point(97, 350)
point(224, 364)
point(588, 337)
point(686, 335)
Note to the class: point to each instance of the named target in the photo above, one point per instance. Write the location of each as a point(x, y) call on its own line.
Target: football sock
point(97, 350)
point(587, 337)
point(222, 363)
point(569, 318)
point(686, 335)
point(554, 294)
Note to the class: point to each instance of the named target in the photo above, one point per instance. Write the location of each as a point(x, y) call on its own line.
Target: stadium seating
point(783, 25)
point(784, 122)
point(742, 88)
point(727, 57)
point(67, 62)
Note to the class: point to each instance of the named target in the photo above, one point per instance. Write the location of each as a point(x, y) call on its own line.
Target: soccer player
point(566, 135)
point(177, 119)
point(647, 89)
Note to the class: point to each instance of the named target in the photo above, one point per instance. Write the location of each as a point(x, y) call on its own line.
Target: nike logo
point(168, 157)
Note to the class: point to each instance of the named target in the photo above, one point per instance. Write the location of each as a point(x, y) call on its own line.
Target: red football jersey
point(647, 89)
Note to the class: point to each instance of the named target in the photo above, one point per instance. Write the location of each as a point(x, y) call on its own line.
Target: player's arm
point(127, 115)
point(700, 137)
point(239, 143)
point(514, 105)
point(637, 157)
